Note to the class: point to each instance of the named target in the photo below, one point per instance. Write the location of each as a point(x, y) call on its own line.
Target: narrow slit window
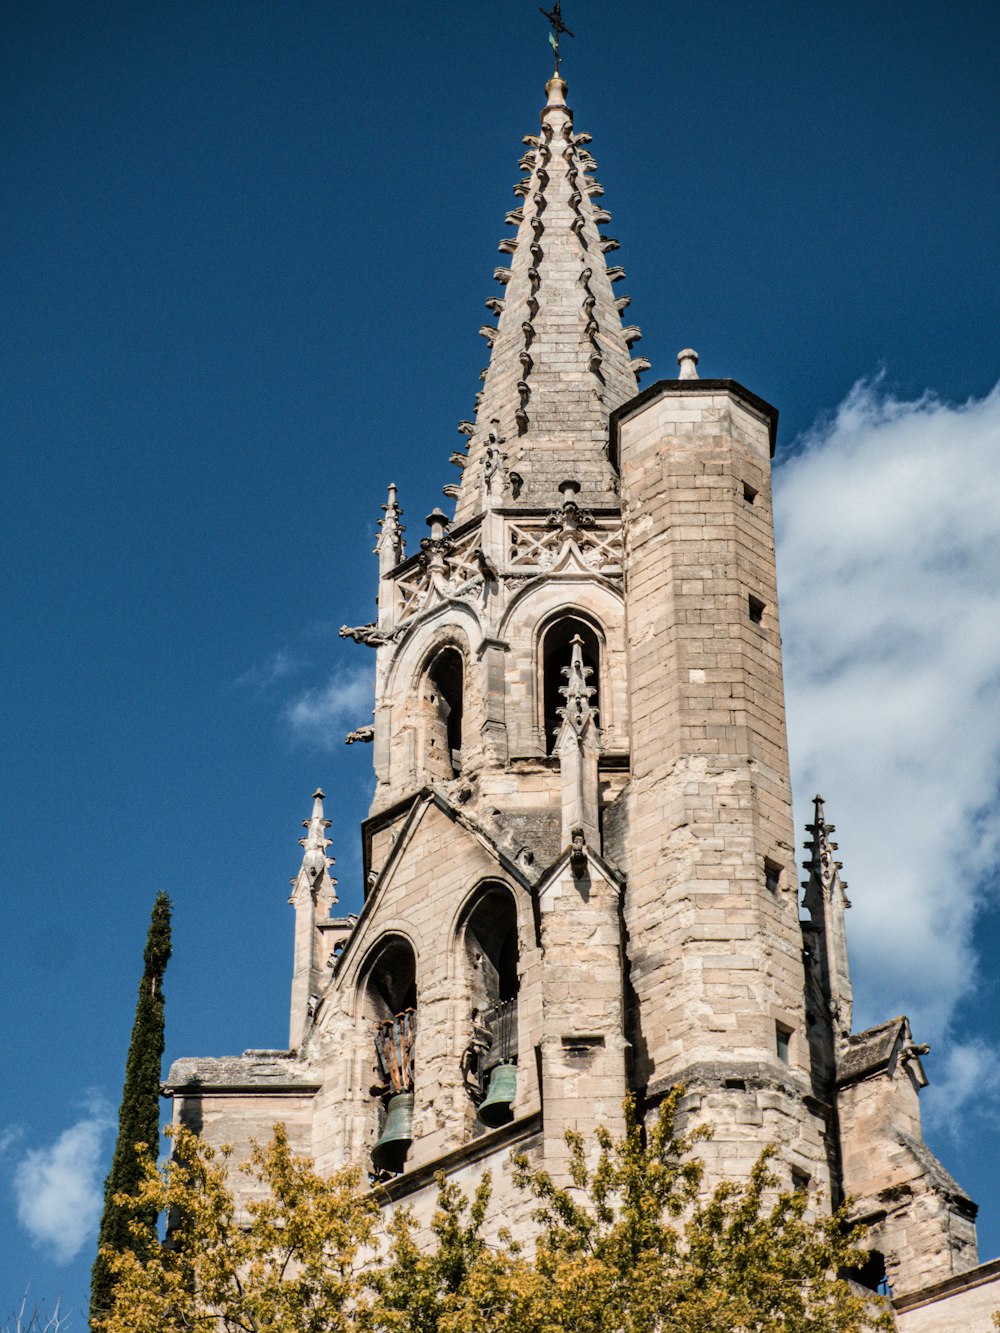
point(783, 1043)
point(749, 493)
point(772, 876)
point(755, 608)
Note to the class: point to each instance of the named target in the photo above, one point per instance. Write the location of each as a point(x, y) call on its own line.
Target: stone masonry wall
point(715, 952)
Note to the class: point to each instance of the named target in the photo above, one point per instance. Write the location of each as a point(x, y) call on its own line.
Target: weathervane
point(555, 18)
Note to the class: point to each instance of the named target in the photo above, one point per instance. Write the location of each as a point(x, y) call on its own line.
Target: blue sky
point(245, 250)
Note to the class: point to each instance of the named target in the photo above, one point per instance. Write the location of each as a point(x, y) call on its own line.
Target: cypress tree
point(139, 1114)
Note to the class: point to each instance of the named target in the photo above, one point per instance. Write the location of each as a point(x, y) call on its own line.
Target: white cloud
point(345, 701)
point(59, 1188)
point(9, 1135)
point(966, 1081)
point(889, 572)
point(265, 674)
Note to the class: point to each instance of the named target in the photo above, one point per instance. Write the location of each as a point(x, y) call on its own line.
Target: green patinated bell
point(390, 1151)
point(496, 1108)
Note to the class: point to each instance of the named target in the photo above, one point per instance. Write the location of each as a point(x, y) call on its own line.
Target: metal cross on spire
point(555, 18)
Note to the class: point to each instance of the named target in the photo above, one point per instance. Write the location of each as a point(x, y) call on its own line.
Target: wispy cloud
point(58, 1188)
point(279, 666)
point(966, 1082)
point(9, 1136)
point(889, 566)
point(319, 715)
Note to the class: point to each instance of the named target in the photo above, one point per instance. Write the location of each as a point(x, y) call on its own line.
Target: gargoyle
point(363, 734)
point(369, 634)
point(485, 565)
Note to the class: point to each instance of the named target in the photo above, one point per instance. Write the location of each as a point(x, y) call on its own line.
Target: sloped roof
point(871, 1050)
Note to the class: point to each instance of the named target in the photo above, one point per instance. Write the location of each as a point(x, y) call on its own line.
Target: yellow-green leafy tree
point(632, 1246)
point(635, 1247)
point(286, 1263)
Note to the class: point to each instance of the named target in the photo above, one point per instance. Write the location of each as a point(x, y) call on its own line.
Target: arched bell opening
point(489, 942)
point(442, 698)
point(871, 1274)
point(389, 1003)
point(555, 653)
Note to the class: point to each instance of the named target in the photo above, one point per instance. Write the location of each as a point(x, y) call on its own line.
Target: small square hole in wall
point(772, 876)
point(783, 1042)
point(800, 1181)
point(749, 493)
point(755, 608)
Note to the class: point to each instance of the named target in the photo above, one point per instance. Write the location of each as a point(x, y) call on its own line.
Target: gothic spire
point(559, 358)
point(826, 901)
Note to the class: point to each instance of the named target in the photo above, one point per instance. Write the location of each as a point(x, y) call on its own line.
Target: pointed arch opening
point(389, 1003)
point(389, 985)
point(554, 654)
point(443, 699)
point(488, 939)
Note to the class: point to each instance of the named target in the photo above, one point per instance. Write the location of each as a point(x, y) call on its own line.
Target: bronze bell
point(389, 1153)
point(495, 1109)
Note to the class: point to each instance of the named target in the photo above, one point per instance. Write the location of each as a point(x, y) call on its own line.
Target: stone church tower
point(579, 861)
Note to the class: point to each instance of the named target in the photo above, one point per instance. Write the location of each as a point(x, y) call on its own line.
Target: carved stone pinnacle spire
point(577, 692)
point(390, 546)
point(821, 847)
point(826, 902)
point(315, 860)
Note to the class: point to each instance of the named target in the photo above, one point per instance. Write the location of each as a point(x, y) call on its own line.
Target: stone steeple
point(559, 357)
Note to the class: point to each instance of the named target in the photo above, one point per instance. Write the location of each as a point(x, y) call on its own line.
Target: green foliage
point(286, 1264)
point(122, 1227)
point(458, 1282)
point(636, 1247)
point(632, 1244)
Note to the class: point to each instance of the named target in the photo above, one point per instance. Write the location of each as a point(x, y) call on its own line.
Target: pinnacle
point(821, 847)
point(315, 861)
point(559, 360)
point(390, 546)
point(577, 711)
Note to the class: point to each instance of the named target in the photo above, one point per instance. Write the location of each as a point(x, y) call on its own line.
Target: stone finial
point(555, 91)
point(436, 547)
point(314, 859)
point(570, 517)
point(390, 546)
point(438, 523)
point(688, 362)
